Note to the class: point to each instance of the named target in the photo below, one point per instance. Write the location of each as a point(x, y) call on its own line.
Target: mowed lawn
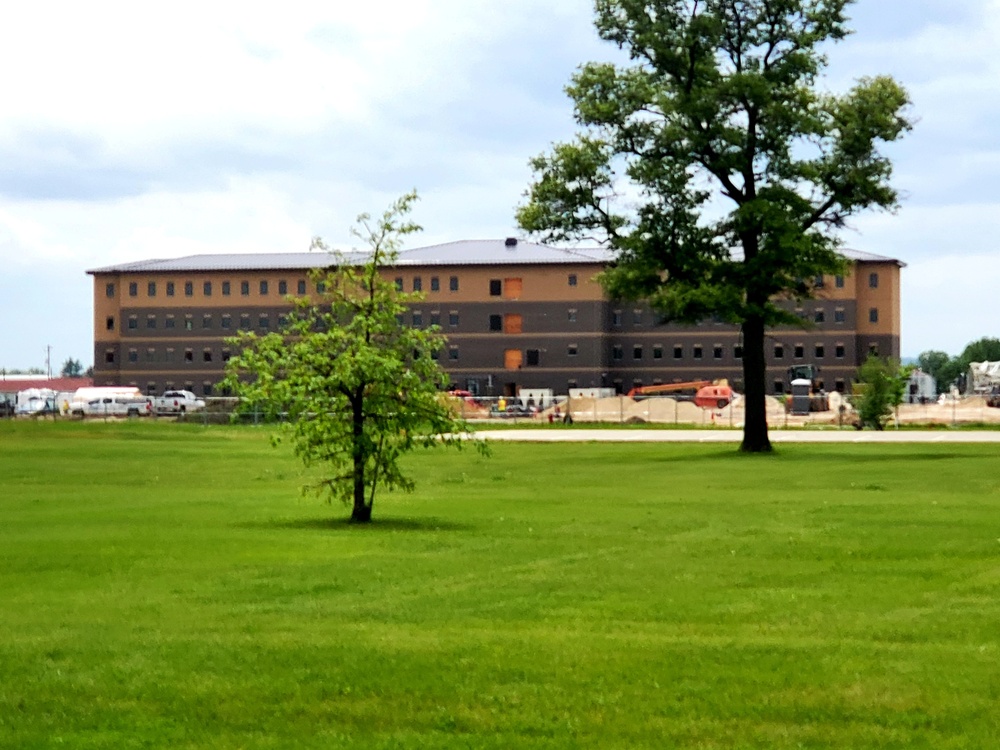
point(166, 585)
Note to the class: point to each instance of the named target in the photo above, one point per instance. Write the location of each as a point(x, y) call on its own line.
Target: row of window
point(818, 316)
point(509, 287)
point(187, 322)
point(208, 288)
point(718, 351)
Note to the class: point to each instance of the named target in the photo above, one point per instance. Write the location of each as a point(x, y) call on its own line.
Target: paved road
point(557, 434)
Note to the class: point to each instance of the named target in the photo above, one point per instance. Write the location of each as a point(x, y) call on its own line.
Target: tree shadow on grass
point(344, 524)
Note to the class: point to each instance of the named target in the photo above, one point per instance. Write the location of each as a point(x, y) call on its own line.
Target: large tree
point(356, 387)
point(715, 166)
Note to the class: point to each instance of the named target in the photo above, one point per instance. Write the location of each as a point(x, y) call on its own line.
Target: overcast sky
point(131, 131)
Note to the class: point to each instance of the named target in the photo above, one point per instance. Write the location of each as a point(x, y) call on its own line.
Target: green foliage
point(883, 388)
point(356, 387)
point(947, 370)
point(719, 108)
point(836, 597)
point(72, 368)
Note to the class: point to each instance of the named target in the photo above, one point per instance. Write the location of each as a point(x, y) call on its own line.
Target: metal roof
point(460, 253)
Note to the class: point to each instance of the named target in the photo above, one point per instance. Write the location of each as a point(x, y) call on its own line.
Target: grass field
point(165, 585)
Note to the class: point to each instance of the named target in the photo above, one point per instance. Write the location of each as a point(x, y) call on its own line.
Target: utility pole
point(48, 361)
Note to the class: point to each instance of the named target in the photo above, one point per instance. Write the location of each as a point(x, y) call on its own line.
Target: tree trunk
point(362, 511)
point(755, 439)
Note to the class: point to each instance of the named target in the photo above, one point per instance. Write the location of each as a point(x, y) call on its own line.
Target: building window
point(264, 290)
point(839, 385)
point(207, 355)
point(839, 351)
point(109, 290)
point(133, 355)
point(873, 315)
point(717, 352)
point(226, 355)
point(496, 287)
point(150, 321)
point(453, 283)
point(838, 282)
point(873, 280)
point(453, 353)
point(800, 351)
point(435, 284)
point(418, 284)
point(133, 289)
point(188, 323)
point(188, 288)
point(206, 388)
point(170, 322)
point(189, 355)
point(531, 358)
point(418, 319)
point(617, 352)
point(571, 316)
point(570, 385)
point(658, 351)
point(282, 320)
point(435, 317)
point(571, 350)
point(678, 352)
point(496, 322)
point(616, 318)
point(320, 287)
point(819, 317)
point(779, 387)
point(738, 351)
point(637, 317)
point(227, 288)
point(133, 322)
point(282, 287)
point(819, 283)
point(637, 352)
point(168, 356)
point(300, 286)
point(206, 288)
point(453, 318)
point(820, 351)
point(151, 289)
point(873, 349)
point(779, 351)
point(399, 283)
point(245, 288)
point(696, 352)
point(109, 356)
point(513, 323)
point(109, 323)
point(572, 279)
point(264, 321)
point(839, 316)
point(206, 321)
point(170, 289)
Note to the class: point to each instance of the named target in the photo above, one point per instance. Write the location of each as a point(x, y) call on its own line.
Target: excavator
point(707, 394)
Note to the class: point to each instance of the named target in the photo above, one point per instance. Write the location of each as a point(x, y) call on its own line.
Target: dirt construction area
point(667, 410)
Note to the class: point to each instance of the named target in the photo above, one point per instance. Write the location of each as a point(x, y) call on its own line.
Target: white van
point(118, 405)
point(83, 396)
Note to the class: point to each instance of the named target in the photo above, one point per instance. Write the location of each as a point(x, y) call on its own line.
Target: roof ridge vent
point(510, 243)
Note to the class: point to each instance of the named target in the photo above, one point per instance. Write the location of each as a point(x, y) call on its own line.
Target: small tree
point(356, 386)
point(72, 368)
point(883, 388)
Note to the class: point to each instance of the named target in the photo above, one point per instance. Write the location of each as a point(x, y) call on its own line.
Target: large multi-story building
point(516, 315)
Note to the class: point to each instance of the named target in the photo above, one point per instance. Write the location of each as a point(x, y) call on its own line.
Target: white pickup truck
point(118, 405)
point(177, 402)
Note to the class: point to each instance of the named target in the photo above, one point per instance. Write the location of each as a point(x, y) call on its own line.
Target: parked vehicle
point(83, 396)
point(6, 408)
point(177, 402)
point(118, 406)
